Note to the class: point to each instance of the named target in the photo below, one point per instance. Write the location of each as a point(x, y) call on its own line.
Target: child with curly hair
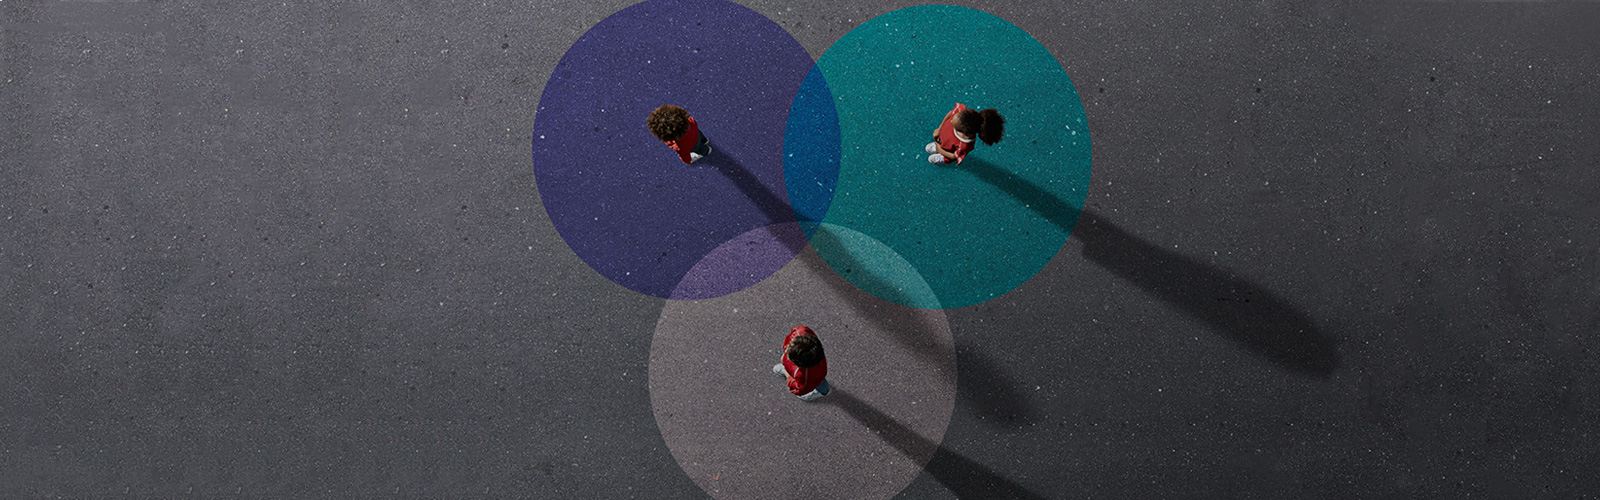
point(674, 126)
point(953, 139)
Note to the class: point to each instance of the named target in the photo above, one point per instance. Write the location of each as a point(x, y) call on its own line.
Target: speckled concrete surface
point(295, 250)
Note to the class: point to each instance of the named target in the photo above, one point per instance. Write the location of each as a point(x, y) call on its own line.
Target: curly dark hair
point(987, 125)
point(669, 122)
point(805, 350)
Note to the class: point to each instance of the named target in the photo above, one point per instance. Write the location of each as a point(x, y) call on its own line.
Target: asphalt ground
point(298, 250)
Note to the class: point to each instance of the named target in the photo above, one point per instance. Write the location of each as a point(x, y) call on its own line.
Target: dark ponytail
point(993, 128)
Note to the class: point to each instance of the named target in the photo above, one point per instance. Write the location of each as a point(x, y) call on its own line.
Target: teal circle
point(972, 231)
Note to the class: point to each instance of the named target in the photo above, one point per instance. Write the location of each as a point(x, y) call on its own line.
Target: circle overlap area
point(976, 230)
point(822, 160)
point(622, 200)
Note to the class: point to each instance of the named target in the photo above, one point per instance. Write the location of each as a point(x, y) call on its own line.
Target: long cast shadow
point(961, 475)
point(1245, 312)
point(993, 395)
point(782, 225)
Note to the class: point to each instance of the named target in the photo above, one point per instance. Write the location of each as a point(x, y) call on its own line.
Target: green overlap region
point(973, 231)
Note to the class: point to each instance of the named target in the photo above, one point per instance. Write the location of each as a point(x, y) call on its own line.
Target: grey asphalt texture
point(295, 250)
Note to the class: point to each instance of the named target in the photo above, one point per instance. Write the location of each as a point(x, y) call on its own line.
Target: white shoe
point(936, 159)
point(778, 369)
point(932, 147)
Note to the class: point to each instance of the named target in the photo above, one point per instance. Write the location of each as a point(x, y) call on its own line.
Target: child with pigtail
point(954, 137)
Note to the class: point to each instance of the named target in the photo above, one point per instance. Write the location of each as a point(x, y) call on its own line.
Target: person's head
point(987, 124)
point(805, 349)
point(669, 122)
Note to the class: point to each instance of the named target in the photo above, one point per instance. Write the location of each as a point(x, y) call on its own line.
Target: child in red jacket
point(804, 364)
point(953, 139)
point(674, 126)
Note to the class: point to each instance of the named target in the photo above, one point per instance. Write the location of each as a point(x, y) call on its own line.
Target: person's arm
point(942, 122)
point(796, 383)
point(683, 154)
point(688, 141)
point(782, 357)
point(947, 154)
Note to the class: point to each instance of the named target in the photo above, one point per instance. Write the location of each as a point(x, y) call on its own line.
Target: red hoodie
point(803, 380)
point(686, 143)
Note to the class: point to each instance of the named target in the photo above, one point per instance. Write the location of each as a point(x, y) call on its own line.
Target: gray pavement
point(295, 250)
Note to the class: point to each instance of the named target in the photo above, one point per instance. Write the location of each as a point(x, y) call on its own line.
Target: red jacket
point(683, 145)
point(802, 380)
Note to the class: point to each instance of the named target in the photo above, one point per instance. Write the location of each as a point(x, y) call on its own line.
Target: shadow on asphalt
point(988, 391)
point(960, 475)
point(778, 212)
point(1243, 311)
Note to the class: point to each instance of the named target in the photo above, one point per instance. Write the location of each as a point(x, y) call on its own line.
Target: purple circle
point(621, 199)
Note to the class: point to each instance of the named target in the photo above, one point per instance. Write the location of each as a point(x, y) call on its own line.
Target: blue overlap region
point(622, 200)
point(811, 153)
point(973, 231)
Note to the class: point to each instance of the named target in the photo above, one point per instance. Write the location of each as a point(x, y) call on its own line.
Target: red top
point(683, 145)
point(947, 135)
point(803, 380)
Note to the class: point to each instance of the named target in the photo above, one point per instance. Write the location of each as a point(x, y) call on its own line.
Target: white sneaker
point(778, 369)
point(932, 147)
point(936, 159)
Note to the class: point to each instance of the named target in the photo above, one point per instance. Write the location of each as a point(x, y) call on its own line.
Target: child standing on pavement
point(674, 126)
point(804, 364)
point(953, 139)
